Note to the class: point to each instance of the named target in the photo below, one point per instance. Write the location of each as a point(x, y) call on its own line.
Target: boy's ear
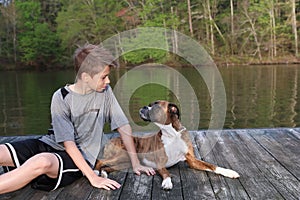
point(85, 77)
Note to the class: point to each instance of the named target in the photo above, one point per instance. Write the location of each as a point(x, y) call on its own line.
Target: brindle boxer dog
point(161, 150)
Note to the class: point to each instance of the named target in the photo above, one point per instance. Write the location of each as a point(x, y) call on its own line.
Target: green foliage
point(28, 14)
point(84, 21)
point(42, 32)
point(38, 45)
point(143, 55)
point(145, 46)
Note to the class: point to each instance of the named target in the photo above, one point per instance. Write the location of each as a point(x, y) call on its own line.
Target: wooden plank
point(224, 188)
point(112, 194)
point(219, 187)
point(232, 154)
point(260, 189)
point(175, 193)
point(27, 193)
point(270, 170)
point(137, 187)
point(42, 195)
point(295, 132)
point(80, 189)
point(267, 160)
point(289, 158)
point(195, 184)
point(7, 139)
point(19, 194)
point(286, 138)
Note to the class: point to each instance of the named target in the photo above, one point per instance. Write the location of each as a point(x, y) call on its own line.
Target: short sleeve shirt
point(81, 118)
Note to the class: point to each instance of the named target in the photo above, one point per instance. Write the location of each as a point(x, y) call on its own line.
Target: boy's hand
point(140, 168)
point(105, 183)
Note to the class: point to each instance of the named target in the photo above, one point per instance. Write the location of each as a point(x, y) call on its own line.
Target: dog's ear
point(174, 110)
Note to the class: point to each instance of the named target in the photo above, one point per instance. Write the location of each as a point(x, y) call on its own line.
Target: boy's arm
point(126, 135)
point(80, 162)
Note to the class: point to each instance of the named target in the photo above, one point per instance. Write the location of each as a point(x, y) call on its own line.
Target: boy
point(78, 113)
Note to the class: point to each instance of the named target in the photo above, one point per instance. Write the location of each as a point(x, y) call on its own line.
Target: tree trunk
point(294, 26)
point(174, 35)
point(14, 17)
point(273, 45)
point(190, 18)
point(211, 29)
point(254, 33)
point(232, 26)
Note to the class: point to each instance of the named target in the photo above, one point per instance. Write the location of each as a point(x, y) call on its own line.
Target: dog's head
point(162, 112)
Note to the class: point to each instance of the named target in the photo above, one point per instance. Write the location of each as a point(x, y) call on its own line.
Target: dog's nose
point(145, 107)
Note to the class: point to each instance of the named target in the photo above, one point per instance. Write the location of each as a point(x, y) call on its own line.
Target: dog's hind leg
point(119, 167)
point(103, 170)
point(116, 163)
point(201, 165)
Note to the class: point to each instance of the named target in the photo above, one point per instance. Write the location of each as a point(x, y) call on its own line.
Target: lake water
point(256, 96)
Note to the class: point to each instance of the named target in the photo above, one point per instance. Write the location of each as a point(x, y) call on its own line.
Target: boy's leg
point(5, 157)
point(43, 163)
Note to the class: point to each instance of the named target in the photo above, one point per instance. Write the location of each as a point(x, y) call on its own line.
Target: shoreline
point(219, 61)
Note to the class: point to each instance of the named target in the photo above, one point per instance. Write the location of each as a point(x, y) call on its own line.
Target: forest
point(43, 34)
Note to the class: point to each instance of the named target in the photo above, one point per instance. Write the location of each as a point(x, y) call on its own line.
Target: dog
point(161, 150)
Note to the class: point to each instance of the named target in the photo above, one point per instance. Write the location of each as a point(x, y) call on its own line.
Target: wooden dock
point(268, 161)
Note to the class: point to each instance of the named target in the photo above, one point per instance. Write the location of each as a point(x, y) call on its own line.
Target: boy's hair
point(92, 59)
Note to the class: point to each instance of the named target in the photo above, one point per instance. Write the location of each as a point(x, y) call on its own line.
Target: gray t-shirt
point(81, 118)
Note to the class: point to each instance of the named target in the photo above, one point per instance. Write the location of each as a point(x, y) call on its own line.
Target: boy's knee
point(44, 162)
point(5, 157)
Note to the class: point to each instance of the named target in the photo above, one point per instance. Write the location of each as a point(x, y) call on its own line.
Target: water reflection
point(261, 96)
point(257, 96)
point(25, 100)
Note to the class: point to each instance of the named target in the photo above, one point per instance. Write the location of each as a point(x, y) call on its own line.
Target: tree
point(82, 21)
point(8, 13)
point(232, 26)
point(38, 45)
point(153, 13)
point(294, 26)
point(273, 43)
point(190, 17)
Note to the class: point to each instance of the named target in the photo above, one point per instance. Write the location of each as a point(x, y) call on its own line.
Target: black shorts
point(23, 150)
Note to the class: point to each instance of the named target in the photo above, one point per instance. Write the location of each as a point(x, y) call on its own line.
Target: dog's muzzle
point(144, 113)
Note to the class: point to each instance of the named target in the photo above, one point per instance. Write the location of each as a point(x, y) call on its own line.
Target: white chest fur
point(174, 145)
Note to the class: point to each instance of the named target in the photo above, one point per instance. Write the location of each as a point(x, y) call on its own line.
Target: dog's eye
point(151, 104)
point(173, 109)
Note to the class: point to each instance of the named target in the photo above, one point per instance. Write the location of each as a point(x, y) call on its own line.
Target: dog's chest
point(175, 148)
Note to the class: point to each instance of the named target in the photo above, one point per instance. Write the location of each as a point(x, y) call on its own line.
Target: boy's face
point(100, 80)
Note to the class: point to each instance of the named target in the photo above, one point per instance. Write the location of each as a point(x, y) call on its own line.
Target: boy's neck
point(80, 88)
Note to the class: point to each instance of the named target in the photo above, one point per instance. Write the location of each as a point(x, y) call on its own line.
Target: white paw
point(167, 184)
point(227, 172)
point(104, 174)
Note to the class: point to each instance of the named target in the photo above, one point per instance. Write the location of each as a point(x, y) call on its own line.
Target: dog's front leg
point(167, 182)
